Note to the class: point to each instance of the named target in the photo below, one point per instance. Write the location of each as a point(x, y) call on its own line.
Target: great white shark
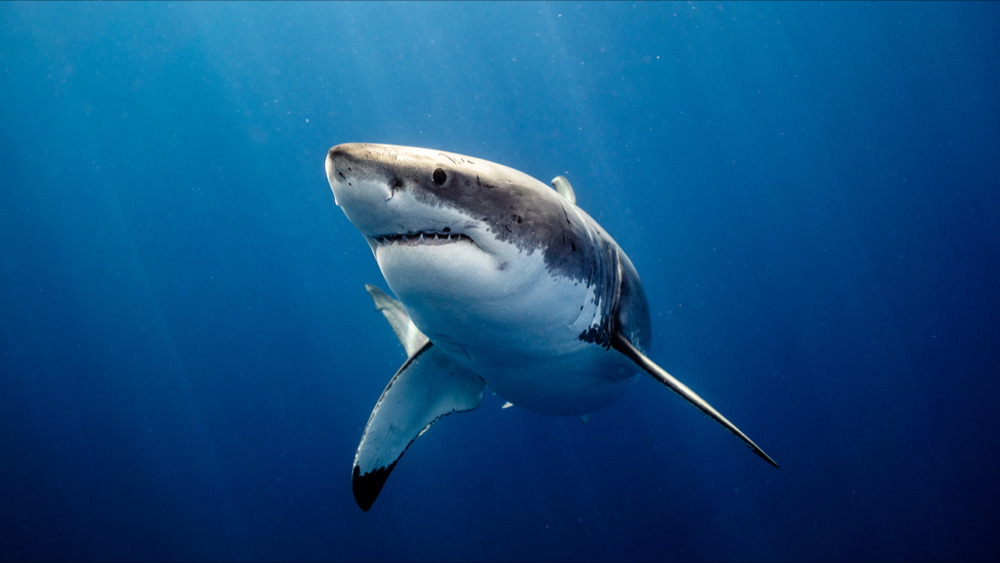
point(503, 282)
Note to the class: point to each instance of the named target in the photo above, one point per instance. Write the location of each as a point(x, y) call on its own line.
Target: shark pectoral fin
point(622, 344)
point(408, 334)
point(427, 387)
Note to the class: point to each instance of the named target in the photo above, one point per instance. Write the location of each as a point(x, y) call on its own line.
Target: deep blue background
point(809, 191)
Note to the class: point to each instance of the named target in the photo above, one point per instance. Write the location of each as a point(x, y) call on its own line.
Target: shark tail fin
point(622, 344)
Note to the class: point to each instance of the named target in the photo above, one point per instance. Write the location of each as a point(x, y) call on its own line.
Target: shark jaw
point(442, 243)
point(431, 265)
point(421, 238)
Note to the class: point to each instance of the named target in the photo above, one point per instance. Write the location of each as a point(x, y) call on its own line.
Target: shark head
point(448, 229)
point(432, 210)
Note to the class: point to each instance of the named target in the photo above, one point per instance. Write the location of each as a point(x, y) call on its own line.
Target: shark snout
point(375, 190)
point(338, 165)
point(354, 166)
point(358, 191)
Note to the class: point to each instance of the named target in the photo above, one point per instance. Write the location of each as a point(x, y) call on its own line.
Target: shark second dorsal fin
point(621, 343)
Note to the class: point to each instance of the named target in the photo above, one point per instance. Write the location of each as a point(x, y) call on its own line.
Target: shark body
point(503, 282)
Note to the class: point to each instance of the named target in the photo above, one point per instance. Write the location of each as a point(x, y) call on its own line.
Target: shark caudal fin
point(621, 343)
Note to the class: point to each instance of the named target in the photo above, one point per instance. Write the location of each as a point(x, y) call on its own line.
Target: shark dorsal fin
point(561, 184)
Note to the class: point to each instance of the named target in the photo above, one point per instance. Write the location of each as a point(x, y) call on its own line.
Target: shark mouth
point(421, 238)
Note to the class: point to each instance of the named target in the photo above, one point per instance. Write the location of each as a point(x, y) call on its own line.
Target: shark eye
point(439, 176)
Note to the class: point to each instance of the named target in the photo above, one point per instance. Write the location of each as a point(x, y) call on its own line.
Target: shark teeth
point(419, 238)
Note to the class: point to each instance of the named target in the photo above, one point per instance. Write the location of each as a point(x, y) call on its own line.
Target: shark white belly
point(529, 352)
point(503, 283)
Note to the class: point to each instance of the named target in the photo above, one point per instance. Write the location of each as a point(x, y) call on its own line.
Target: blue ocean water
point(809, 192)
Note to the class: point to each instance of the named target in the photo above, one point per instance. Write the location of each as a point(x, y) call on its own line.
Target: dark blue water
point(809, 192)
